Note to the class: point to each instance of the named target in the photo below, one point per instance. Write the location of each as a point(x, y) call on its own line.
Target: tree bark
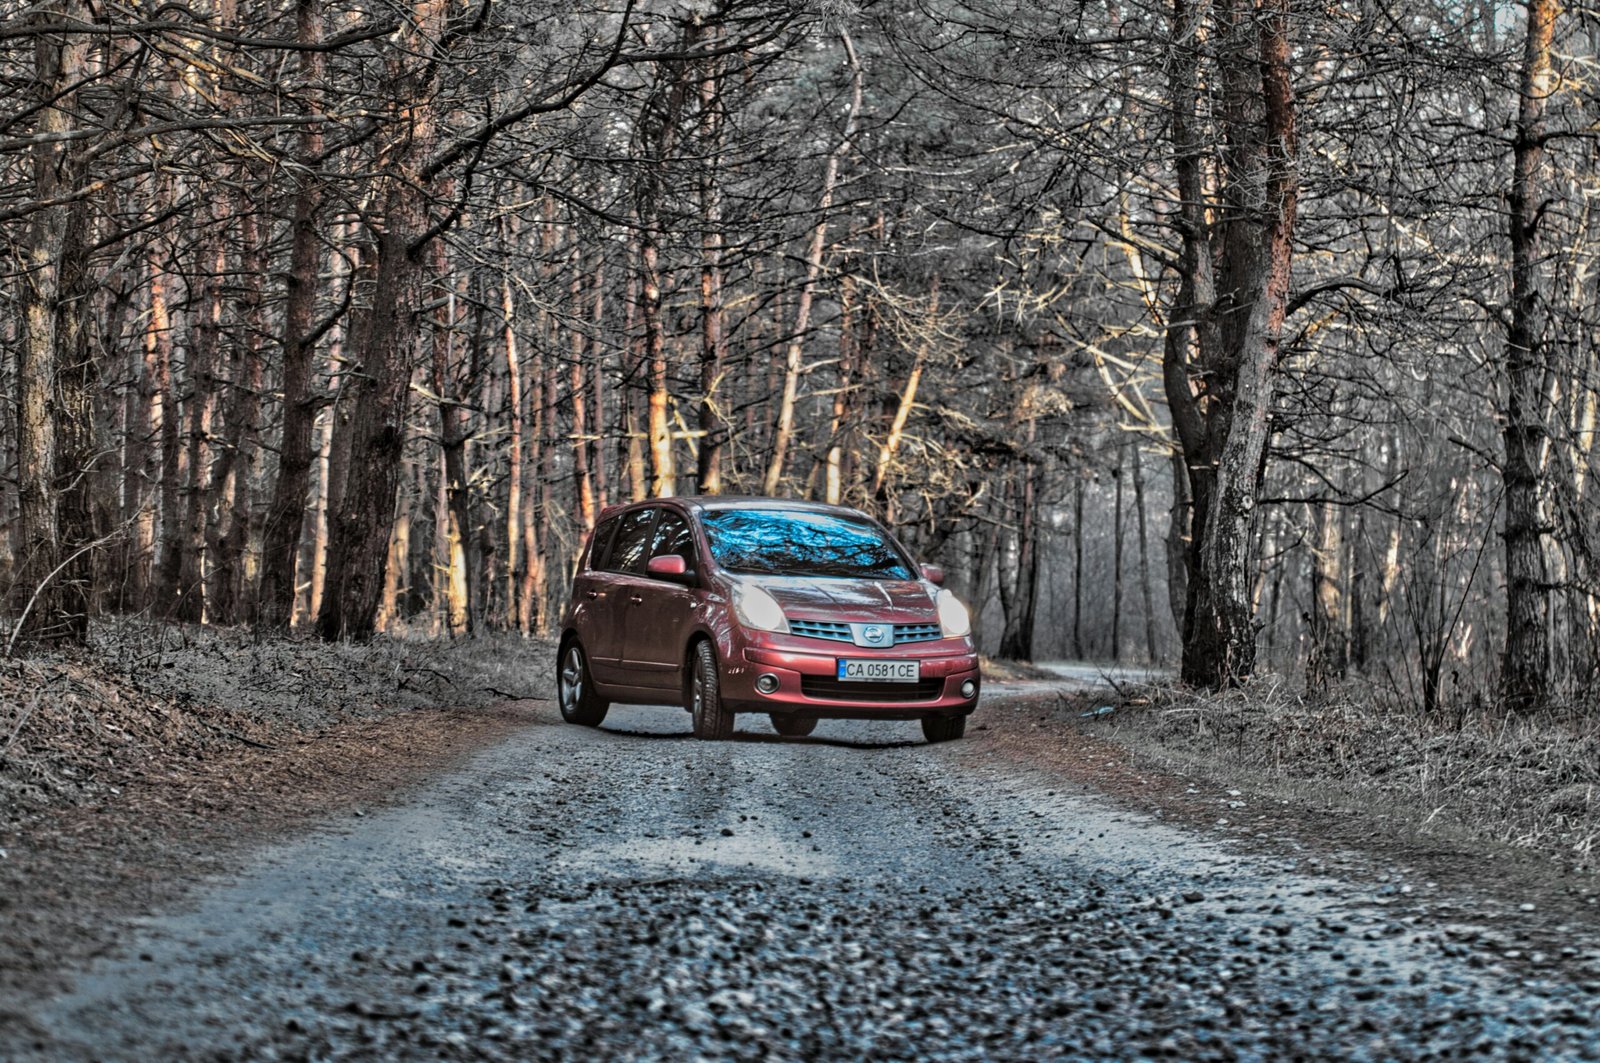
point(386, 350)
point(1237, 325)
point(231, 487)
point(280, 546)
point(516, 612)
point(379, 393)
point(577, 400)
point(453, 517)
point(1330, 636)
point(1016, 639)
point(1525, 672)
point(55, 375)
point(1145, 589)
point(713, 353)
point(1116, 562)
point(783, 432)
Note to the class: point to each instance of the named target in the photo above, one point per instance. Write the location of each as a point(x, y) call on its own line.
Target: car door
point(659, 611)
point(605, 591)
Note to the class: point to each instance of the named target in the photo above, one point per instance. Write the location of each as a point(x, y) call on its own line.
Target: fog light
point(969, 689)
point(767, 683)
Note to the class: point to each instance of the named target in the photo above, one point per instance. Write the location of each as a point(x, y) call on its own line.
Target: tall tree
point(1220, 371)
point(54, 374)
point(1526, 665)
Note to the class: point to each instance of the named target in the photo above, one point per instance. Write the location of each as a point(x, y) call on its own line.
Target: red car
point(728, 605)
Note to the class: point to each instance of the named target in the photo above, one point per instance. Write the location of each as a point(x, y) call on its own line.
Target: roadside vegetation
point(1528, 782)
point(80, 726)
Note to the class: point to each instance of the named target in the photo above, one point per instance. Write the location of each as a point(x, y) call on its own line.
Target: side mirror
point(933, 574)
point(669, 567)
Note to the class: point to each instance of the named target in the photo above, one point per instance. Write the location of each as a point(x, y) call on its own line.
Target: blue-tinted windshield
point(778, 542)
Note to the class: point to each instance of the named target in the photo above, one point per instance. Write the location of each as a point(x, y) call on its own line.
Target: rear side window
point(632, 542)
point(673, 537)
point(600, 545)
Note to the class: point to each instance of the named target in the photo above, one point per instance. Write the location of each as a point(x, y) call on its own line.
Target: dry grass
point(1531, 782)
point(79, 725)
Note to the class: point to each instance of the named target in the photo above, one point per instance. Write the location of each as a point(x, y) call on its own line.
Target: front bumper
point(806, 671)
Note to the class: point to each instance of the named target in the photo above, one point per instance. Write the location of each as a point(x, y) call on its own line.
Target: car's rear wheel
point(793, 726)
point(712, 719)
point(575, 690)
point(943, 728)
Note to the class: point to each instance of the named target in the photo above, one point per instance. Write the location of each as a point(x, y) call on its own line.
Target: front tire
point(575, 690)
point(943, 728)
point(793, 726)
point(712, 719)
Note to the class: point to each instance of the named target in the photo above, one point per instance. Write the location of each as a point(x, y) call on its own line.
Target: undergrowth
point(77, 725)
point(1527, 781)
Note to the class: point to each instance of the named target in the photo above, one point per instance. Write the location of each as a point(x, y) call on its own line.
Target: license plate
point(858, 671)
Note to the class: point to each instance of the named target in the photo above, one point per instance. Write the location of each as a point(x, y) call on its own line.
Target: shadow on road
point(757, 737)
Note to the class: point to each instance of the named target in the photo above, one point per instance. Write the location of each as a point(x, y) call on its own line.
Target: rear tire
point(943, 728)
point(575, 690)
point(712, 719)
point(793, 726)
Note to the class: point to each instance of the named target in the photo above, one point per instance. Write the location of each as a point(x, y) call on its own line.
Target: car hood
point(905, 601)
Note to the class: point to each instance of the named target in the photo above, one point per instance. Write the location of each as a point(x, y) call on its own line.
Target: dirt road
point(632, 893)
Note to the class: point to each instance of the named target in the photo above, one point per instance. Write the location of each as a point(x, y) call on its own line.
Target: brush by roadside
point(1530, 783)
point(148, 699)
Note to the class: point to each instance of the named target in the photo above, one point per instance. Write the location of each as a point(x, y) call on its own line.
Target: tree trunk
point(55, 376)
point(453, 517)
point(903, 408)
point(1116, 563)
point(663, 467)
point(1330, 637)
point(597, 385)
point(141, 452)
point(713, 353)
point(577, 400)
point(516, 614)
point(1238, 325)
point(386, 346)
point(379, 395)
point(231, 485)
point(1077, 568)
point(784, 430)
point(169, 569)
point(205, 326)
point(1145, 590)
point(1016, 640)
point(1525, 682)
point(280, 546)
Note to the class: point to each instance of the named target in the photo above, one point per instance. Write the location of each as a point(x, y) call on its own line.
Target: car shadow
point(759, 738)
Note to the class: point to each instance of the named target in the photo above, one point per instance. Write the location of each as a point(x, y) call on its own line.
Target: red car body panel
point(638, 632)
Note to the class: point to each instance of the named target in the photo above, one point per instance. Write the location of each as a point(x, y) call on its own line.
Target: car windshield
point(783, 542)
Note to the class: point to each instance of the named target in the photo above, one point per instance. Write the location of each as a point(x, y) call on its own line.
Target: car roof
point(721, 502)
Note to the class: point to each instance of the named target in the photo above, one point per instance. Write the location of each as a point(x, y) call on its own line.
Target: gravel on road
point(631, 893)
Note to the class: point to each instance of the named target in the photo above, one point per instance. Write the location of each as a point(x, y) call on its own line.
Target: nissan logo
point(873, 633)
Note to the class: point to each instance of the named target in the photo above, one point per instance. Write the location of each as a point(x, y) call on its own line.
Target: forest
point(1231, 336)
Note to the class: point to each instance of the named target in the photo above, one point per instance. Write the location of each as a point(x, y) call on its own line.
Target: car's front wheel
point(943, 728)
point(793, 726)
point(575, 691)
point(712, 719)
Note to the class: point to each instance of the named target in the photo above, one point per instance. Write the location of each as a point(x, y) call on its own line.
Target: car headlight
point(757, 609)
point(954, 620)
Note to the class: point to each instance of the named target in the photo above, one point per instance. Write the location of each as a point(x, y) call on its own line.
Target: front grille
point(840, 632)
point(827, 688)
point(916, 632)
point(820, 629)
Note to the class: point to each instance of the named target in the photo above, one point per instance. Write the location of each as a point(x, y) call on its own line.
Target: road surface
point(631, 893)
